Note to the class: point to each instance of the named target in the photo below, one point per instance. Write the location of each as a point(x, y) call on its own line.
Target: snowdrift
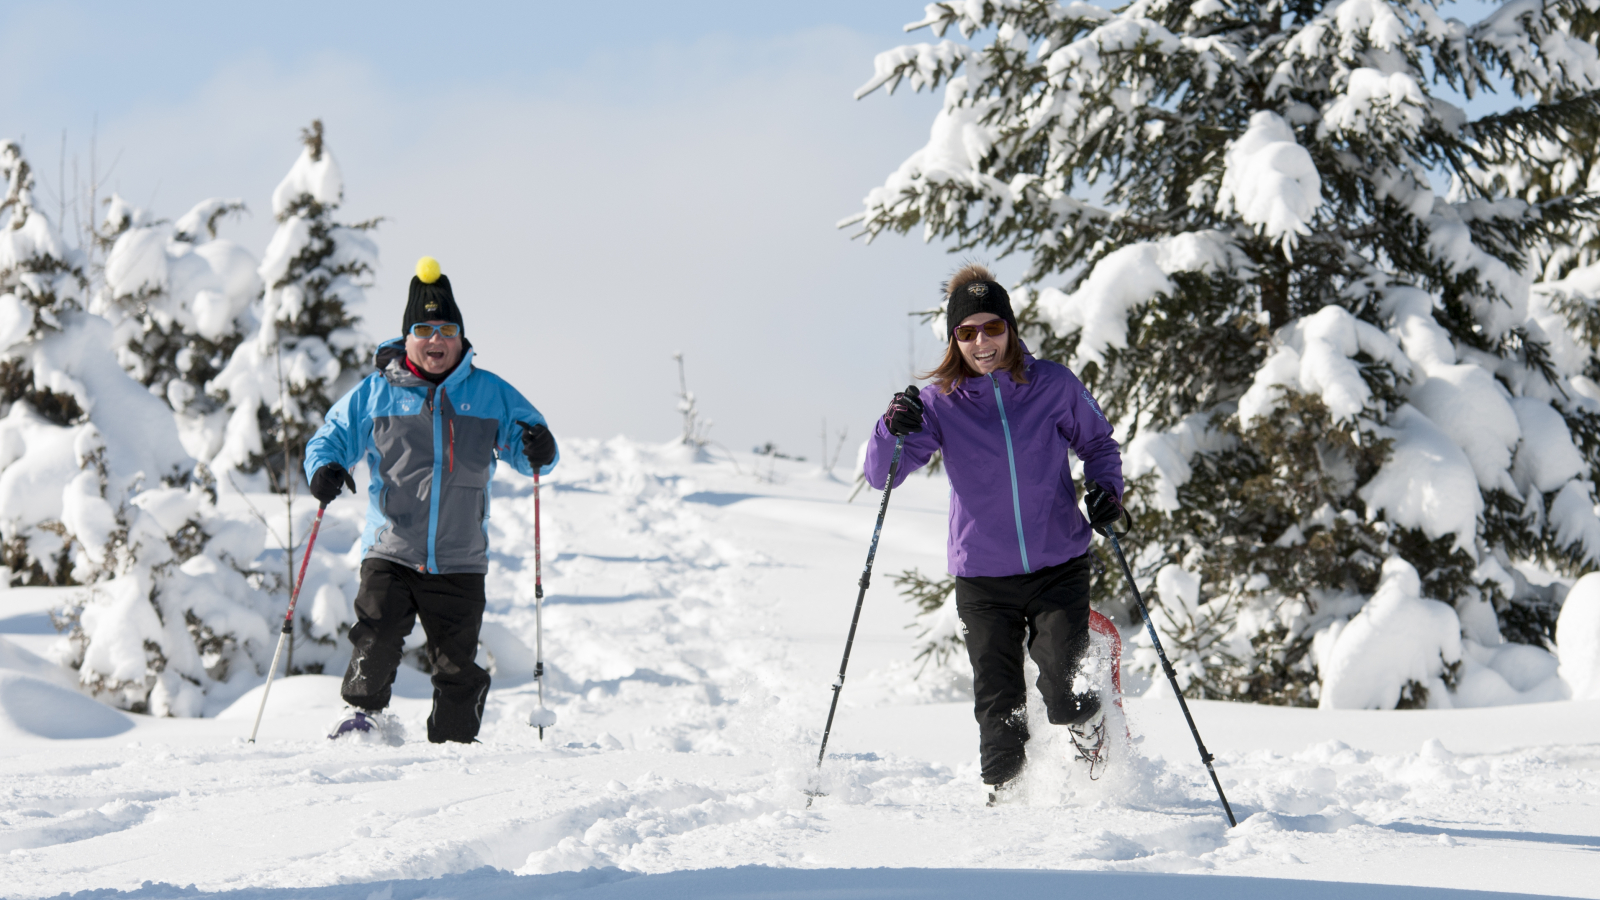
point(694, 618)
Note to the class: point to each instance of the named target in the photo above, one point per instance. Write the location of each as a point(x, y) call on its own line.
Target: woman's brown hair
point(953, 369)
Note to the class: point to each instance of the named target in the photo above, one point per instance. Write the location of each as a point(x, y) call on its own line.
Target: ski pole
point(1172, 676)
point(541, 718)
point(866, 579)
point(288, 619)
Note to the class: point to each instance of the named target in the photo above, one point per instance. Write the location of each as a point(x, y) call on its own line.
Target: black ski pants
point(391, 599)
point(1048, 612)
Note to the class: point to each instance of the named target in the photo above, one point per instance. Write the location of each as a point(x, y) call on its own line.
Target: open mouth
point(984, 356)
point(435, 355)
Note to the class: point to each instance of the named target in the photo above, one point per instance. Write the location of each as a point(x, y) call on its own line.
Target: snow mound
point(1399, 637)
point(1578, 638)
point(18, 659)
point(290, 696)
point(33, 707)
point(300, 694)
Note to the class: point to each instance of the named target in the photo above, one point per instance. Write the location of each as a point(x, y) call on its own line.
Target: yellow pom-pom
point(428, 269)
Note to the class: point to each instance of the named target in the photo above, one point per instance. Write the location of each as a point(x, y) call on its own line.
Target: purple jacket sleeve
point(918, 449)
point(1089, 434)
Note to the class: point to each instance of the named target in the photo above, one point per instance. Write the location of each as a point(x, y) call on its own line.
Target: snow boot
point(1090, 740)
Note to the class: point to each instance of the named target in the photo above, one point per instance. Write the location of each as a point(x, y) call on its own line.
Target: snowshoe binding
point(358, 721)
point(1000, 794)
point(1090, 740)
point(368, 727)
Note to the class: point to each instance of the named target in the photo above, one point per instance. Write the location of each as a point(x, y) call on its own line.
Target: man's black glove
point(905, 413)
point(538, 444)
point(327, 481)
point(1104, 510)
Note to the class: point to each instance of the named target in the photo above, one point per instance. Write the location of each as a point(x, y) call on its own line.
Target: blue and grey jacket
point(431, 450)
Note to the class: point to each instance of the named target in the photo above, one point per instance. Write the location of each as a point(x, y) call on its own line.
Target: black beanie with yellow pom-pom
point(431, 298)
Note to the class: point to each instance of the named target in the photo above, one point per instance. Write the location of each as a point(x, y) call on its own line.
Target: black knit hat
point(978, 296)
point(431, 298)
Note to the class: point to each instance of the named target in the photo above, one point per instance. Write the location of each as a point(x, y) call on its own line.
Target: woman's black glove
point(905, 413)
point(327, 481)
point(538, 444)
point(1104, 510)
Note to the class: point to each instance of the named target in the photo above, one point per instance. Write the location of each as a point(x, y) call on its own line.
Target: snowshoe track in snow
point(690, 646)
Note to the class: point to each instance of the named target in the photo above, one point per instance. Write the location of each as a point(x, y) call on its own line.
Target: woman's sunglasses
point(968, 333)
point(423, 331)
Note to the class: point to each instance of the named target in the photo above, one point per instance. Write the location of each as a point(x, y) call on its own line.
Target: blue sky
point(605, 184)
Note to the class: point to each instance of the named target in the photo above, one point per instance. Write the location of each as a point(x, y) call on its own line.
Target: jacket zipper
point(438, 477)
point(1011, 457)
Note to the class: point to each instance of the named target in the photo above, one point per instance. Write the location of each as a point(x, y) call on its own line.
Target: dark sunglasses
point(423, 331)
point(968, 333)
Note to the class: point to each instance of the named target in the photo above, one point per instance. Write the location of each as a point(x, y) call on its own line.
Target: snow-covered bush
point(181, 298)
point(174, 619)
point(279, 383)
point(1321, 367)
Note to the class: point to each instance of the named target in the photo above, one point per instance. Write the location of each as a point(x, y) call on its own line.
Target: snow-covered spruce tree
point(40, 281)
point(1341, 398)
point(96, 490)
point(281, 382)
point(180, 297)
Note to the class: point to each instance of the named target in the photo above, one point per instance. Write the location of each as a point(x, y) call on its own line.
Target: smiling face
point(984, 353)
point(435, 355)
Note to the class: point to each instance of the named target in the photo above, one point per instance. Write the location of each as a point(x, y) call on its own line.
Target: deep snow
point(694, 616)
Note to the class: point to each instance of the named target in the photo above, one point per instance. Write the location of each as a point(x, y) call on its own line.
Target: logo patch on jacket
point(1093, 405)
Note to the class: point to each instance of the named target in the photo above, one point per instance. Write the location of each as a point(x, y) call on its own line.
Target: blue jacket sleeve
point(1089, 435)
point(342, 437)
point(918, 449)
point(516, 410)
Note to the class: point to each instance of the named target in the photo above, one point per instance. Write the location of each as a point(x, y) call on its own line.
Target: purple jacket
point(1013, 506)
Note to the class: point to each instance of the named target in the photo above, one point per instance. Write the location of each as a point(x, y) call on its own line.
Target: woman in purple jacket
point(1018, 544)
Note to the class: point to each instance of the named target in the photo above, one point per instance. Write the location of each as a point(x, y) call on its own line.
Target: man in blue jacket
point(431, 427)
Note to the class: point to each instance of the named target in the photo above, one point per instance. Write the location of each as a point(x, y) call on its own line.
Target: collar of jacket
point(980, 384)
point(390, 359)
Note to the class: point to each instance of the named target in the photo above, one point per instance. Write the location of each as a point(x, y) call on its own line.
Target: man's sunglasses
point(968, 333)
point(423, 331)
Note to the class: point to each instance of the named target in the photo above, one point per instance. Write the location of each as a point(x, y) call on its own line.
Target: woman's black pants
point(1048, 611)
point(390, 600)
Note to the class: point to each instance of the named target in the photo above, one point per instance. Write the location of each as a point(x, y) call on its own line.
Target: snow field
point(693, 623)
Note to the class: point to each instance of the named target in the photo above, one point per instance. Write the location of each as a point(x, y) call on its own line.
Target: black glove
point(327, 481)
point(905, 413)
point(1104, 510)
point(538, 444)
